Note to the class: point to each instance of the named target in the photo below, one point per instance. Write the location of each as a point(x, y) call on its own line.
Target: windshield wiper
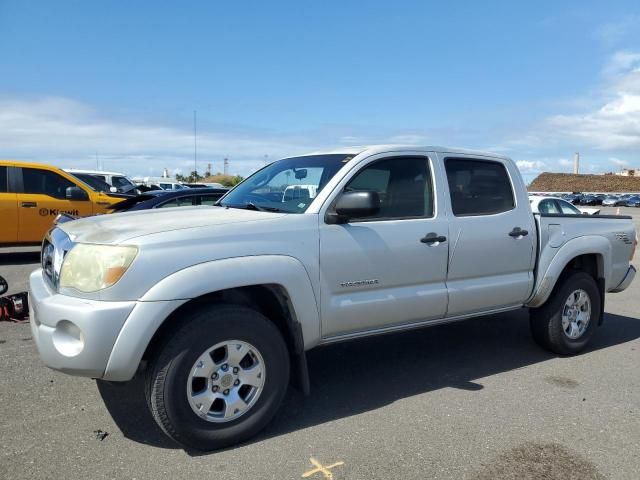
point(258, 208)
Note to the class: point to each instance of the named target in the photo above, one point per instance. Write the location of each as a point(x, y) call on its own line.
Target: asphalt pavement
point(471, 400)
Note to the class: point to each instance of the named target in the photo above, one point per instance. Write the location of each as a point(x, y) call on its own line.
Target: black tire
point(546, 321)
point(169, 369)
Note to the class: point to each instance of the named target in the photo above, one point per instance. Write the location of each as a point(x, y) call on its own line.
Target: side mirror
point(113, 190)
point(301, 173)
point(354, 205)
point(76, 193)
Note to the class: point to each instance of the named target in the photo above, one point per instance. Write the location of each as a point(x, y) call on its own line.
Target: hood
point(120, 227)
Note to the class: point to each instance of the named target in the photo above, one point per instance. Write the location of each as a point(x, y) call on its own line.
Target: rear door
point(8, 208)
point(491, 258)
point(41, 197)
point(382, 271)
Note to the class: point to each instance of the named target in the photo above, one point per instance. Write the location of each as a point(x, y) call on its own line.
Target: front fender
point(195, 281)
point(558, 258)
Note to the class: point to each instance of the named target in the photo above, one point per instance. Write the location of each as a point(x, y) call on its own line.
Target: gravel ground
point(471, 400)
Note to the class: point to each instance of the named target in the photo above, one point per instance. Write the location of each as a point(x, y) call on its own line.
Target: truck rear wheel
point(219, 378)
point(566, 322)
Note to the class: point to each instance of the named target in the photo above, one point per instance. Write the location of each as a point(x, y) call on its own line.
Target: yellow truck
point(33, 194)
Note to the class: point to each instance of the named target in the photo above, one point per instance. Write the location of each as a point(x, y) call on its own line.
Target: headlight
point(90, 268)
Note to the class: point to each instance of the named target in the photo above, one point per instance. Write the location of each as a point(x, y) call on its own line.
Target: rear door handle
point(431, 238)
point(28, 204)
point(518, 232)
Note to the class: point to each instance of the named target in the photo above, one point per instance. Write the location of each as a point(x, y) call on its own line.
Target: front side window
point(3, 180)
point(288, 185)
point(45, 182)
point(403, 185)
point(478, 187)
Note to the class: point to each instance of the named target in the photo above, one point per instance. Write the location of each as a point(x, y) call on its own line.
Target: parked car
point(216, 307)
point(590, 200)
point(559, 206)
point(633, 202)
point(33, 194)
point(612, 201)
point(573, 198)
point(164, 199)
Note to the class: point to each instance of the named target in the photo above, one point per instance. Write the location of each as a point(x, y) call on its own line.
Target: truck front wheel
point(566, 322)
point(218, 378)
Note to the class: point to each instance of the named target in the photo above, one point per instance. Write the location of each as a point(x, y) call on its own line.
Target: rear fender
point(587, 245)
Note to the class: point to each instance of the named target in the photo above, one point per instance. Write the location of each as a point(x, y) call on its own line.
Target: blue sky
point(533, 80)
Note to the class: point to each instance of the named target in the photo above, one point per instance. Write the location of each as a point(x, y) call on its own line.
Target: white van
point(119, 181)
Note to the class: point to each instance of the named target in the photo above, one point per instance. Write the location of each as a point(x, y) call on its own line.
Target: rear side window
point(178, 202)
point(45, 182)
point(120, 182)
point(478, 187)
point(209, 199)
point(548, 206)
point(568, 209)
point(3, 179)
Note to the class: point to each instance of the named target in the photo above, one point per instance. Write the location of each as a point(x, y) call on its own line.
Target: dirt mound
point(569, 182)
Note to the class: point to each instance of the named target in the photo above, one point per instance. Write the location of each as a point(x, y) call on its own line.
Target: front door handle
point(28, 204)
point(432, 238)
point(518, 232)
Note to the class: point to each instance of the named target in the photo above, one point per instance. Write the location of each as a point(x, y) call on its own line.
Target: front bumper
point(626, 281)
point(74, 335)
point(92, 338)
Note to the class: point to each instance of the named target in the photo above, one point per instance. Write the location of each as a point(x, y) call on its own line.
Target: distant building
point(629, 172)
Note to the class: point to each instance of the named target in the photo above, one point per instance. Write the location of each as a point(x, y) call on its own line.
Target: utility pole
point(195, 142)
point(576, 163)
point(226, 166)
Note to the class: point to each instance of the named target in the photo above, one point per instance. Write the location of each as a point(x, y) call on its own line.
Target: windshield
point(288, 185)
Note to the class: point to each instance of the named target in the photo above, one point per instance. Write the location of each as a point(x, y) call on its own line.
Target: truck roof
point(373, 149)
point(92, 172)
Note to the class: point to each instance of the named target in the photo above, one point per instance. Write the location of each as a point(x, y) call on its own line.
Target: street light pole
point(195, 144)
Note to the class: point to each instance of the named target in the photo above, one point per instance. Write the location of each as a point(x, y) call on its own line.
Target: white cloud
point(613, 125)
point(70, 134)
point(619, 162)
point(531, 166)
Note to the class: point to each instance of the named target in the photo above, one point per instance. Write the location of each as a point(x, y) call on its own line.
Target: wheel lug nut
point(226, 392)
point(216, 388)
point(237, 382)
point(225, 367)
point(236, 369)
point(214, 376)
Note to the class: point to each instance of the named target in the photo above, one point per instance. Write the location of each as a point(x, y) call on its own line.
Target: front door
point(381, 271)
point(43, 197)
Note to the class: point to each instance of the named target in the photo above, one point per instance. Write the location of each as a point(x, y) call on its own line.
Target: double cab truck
point(216, 306)
point(32, 195)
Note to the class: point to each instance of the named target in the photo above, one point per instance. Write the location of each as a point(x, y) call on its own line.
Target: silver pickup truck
point(216, 305)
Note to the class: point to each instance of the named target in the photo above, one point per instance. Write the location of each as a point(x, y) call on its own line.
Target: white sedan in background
point(540, 204)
